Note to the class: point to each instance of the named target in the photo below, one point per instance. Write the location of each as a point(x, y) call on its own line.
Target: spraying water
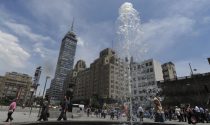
point(129, 33)
point(48, 67)
point(130, 43)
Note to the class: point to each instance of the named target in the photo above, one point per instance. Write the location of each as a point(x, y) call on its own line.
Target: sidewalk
point(24, 117)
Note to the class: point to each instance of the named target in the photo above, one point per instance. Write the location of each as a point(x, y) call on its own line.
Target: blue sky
point(31, 31)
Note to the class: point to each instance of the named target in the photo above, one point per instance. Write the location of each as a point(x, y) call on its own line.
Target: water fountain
point(129, 33)
point(130, 42)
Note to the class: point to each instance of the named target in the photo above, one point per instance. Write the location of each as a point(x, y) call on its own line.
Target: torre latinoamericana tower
point(64, 65)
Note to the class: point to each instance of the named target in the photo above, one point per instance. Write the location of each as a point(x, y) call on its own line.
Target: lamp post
point(195, 81)
point(192, 70)
point(47, 77)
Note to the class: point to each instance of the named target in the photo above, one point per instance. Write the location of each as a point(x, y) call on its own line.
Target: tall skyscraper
point(64, 65)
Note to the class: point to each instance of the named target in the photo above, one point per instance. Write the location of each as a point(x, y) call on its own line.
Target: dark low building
point(193, 89)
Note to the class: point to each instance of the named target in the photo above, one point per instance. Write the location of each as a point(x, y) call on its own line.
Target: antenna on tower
point(72, 25)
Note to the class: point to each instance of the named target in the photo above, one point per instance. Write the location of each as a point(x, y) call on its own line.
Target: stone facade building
point(169, 71)
point(13, 84)
point(106, 77)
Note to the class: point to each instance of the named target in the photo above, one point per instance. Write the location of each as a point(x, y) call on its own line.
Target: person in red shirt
point(12, 108)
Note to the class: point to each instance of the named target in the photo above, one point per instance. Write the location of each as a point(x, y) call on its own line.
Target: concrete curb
point(87, 123)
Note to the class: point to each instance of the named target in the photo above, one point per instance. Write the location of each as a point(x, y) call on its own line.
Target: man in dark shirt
point(45, 109)
point(64, 108)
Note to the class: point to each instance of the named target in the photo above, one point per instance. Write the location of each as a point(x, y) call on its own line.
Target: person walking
point(197, 113)
point(207, 116)
point(105, 113)
point(177, 112)
point(88, 111)
point(140, 112)
point(202, 115)
point(112, 114)
point(64, 108)
point(159, 114)
point(12, 108)
point(45, 109)
point(170, 113)
point(185, 114)
point(189, 114)
point(96, 112)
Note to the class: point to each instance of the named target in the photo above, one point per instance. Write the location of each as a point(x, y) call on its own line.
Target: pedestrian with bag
point(12, 108)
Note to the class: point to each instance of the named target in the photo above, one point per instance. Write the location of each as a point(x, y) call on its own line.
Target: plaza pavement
point(25, 117)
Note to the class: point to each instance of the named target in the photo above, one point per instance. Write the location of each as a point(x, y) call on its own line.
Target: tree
point(95, 101)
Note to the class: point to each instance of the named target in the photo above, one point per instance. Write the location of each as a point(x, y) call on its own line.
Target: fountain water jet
point(129, 40)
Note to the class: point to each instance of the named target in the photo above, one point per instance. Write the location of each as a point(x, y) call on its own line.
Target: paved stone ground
point(25, 117)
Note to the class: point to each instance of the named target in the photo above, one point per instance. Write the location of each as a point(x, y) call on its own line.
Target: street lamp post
point(47, 77)
point(195, 81)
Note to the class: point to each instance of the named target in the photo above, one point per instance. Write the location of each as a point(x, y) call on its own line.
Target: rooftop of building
point(168, 63)
point(17, 74)
point(187, 77)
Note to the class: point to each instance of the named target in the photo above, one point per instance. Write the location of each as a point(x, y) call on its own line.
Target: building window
point(150, 63)
point(151, 69)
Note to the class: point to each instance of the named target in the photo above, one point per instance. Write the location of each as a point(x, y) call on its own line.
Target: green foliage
point(95, 101)
point(7, 100)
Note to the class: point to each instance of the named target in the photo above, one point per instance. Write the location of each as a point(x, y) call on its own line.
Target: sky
point(31, 32)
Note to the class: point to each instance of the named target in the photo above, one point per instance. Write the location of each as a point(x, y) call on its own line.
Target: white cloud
point(43, 51)
point(192, 8)
point(206, 20)
point(162, 33)
point(25, 31)
point(200, 64)
point(56, 12)
point(94, 40)
point(80, 42)
point(11, 53)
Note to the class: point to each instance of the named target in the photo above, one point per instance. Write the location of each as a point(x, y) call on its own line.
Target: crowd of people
point(185, 113)
point(103, 112)
point(157, 113)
